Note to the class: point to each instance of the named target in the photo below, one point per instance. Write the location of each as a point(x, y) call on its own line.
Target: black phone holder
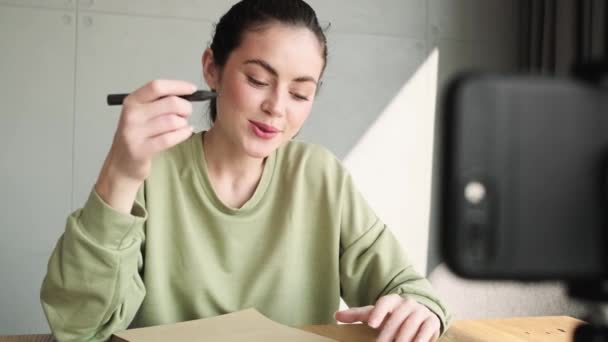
point(593, 292)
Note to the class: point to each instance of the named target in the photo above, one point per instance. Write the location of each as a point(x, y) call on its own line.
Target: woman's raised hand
point(153, 119)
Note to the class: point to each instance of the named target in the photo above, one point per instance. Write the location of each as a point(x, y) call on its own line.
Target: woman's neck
point(234, 175)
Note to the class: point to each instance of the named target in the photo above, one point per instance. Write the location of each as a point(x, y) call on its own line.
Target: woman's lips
point(263, 130)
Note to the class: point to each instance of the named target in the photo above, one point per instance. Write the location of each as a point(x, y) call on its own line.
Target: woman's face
point(267, 87)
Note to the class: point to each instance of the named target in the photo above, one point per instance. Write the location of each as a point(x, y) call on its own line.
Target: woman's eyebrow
point(272, 70)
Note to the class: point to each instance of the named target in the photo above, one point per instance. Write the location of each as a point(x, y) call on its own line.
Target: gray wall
point(59, 58)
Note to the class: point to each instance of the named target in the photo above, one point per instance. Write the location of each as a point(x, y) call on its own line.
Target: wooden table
point(551, 328)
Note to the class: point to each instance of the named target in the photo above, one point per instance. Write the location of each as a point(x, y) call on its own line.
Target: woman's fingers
point(146, 126)
point(167, 140)
point(166, 105)
point(399, 319)
point(429, 330)
point(163, 124)
point(156, 89)
point(352, 315)
point(153, 118)
point(410, 326)
point(384, 306)
point(393, 323)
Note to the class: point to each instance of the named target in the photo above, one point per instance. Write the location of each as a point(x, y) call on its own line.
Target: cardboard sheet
point(246, 325)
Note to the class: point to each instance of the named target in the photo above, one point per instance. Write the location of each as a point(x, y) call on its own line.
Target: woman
point(181, 226)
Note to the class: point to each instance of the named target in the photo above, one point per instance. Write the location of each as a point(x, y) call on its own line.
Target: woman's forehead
point(288, 49)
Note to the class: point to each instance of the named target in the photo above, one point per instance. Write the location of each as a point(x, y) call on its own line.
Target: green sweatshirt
point(304, 239)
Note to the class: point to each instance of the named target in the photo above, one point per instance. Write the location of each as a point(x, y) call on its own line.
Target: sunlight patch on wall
point(392, 162)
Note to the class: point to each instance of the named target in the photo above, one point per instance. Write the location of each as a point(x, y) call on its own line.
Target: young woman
point(181, 226)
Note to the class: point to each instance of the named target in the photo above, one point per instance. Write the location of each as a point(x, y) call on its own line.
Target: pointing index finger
point(355, 314)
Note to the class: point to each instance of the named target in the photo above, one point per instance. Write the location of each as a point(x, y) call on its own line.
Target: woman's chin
point(260, 150)
point(259, 153)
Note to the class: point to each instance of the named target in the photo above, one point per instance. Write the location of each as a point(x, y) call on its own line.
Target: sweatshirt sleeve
point(93, 286)
point(373, 263)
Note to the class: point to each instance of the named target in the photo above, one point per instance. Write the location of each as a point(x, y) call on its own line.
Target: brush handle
point(199, 95)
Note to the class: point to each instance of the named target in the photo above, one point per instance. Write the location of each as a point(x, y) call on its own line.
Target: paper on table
point(246, 325)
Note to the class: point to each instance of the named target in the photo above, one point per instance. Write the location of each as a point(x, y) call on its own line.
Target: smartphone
point(524, 181)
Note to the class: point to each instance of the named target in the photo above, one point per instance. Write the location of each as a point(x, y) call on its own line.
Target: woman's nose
point(274, 104)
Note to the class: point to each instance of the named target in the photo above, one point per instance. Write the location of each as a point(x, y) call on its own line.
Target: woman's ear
point(211, 71)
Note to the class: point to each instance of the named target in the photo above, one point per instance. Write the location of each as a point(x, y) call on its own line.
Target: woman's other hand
point(397, 318)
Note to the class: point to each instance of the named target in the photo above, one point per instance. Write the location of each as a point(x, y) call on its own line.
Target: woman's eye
point(299, 97)
point(256, 82)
